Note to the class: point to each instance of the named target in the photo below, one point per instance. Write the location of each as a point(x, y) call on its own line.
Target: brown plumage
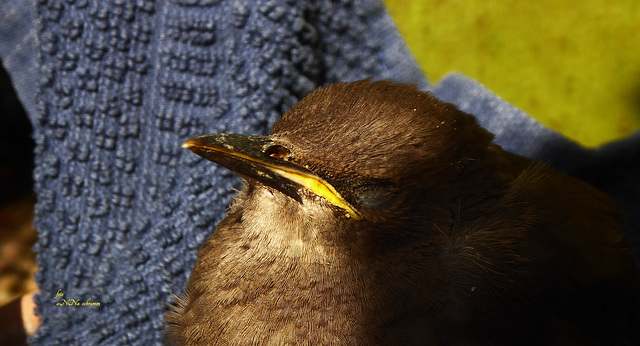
point(376, 214)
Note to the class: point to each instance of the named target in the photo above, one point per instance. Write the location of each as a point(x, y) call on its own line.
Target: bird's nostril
point(277, 152)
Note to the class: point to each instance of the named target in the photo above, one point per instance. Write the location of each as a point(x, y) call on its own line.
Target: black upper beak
point(259, 158)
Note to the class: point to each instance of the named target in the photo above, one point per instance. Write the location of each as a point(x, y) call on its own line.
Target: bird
point(375, 214)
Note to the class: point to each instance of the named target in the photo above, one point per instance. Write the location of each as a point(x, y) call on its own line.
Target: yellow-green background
point(573, 65)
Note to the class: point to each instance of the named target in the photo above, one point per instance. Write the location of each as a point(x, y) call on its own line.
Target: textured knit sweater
point(114, 87)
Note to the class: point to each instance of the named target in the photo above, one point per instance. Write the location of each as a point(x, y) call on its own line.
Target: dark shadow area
point(16, 146)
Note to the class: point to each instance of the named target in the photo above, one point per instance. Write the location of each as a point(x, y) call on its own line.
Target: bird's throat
point(281, 226)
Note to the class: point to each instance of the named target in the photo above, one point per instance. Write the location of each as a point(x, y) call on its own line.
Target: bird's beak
point(248, 156)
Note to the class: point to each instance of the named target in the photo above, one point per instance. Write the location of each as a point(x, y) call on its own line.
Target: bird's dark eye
point(277, 152)
point(374, 194)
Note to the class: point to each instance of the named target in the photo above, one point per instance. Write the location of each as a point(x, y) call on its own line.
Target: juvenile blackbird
point(376, 214)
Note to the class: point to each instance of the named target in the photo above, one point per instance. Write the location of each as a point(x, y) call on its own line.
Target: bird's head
point(372, 152)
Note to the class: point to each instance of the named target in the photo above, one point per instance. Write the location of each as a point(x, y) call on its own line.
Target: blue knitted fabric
point(114, 87)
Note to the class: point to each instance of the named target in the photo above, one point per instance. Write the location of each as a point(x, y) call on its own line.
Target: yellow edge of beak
point(320, 188)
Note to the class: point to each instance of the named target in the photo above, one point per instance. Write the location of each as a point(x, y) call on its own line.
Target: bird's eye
point(374, 194)
point(277, 152)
